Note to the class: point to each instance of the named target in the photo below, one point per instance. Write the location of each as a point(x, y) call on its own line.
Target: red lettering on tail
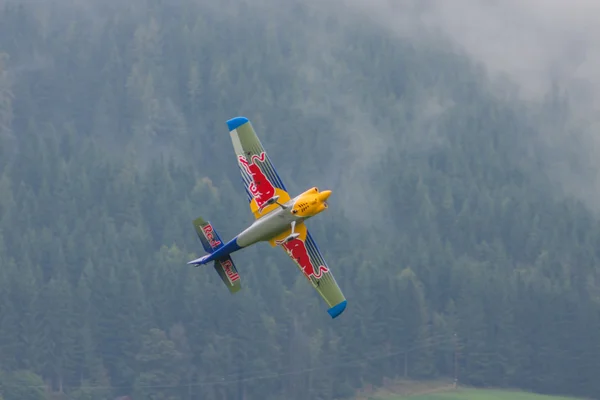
point(208, 232)
point(261, 188)
point(228, 268)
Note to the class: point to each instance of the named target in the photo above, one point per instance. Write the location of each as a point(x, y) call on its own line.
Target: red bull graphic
point(297, 251)
point(208, 232)
point(261, 188)
point(228, 268)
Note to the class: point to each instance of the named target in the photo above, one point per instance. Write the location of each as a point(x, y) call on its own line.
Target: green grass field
point(476, 394)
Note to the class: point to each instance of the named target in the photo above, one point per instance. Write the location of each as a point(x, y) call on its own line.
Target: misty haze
point(459, 139)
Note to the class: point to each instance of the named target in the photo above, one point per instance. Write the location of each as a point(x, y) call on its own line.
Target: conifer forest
point(449, 228)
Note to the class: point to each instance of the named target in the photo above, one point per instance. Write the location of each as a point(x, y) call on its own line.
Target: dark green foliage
point(445, 237)
point(21, 384)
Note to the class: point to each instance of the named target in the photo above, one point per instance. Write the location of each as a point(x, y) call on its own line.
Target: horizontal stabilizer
point(228, 273)
point(208, 235)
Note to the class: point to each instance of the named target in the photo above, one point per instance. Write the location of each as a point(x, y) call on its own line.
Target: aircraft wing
point(258, 173)
point(304, 252)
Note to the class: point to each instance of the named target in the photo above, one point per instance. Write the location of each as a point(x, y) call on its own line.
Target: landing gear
point(292, 235)
point(272, 200)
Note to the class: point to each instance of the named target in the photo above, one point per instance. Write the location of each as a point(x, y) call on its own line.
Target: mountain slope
point(443, 231)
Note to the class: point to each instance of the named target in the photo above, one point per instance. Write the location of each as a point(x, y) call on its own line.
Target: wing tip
point(236, 122)
point(336, 310)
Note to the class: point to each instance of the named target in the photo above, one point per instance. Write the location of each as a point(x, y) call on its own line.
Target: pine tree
point(160, 368)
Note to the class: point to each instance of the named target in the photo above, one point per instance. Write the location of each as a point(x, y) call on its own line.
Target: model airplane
point(279, 221)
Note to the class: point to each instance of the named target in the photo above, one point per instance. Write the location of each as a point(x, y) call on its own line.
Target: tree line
point(447, 241)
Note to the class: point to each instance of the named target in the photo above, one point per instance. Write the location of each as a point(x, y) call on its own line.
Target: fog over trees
point(462, 222)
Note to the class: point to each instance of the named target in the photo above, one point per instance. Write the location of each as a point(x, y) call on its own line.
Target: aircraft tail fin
point(228, 273)
point(208, 235)
point(211, 242)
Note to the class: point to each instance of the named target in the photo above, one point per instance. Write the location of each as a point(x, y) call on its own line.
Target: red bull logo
point(261, 188)
point(208, 232)
point(228, 268)
point(296, 248)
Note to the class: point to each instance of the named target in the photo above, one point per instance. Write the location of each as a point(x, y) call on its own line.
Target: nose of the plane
point(324, 195)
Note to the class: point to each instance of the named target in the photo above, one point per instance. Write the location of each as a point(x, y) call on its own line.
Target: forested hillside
point(443, 231)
